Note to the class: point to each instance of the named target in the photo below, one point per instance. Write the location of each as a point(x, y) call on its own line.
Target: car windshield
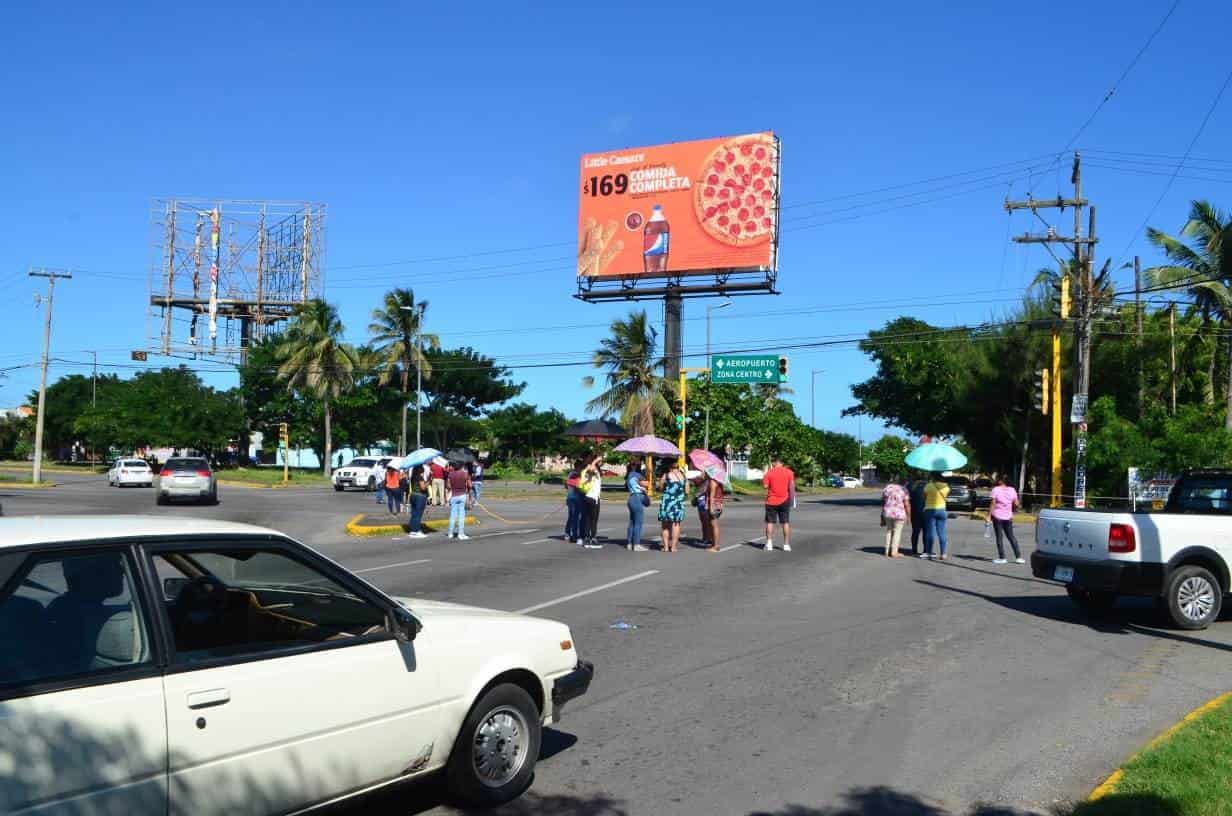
point(958, 481)
point(362, 463)
point(187, 464)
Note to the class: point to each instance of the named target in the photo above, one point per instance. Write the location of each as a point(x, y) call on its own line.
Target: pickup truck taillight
point(1121, 539)
point(164, 473)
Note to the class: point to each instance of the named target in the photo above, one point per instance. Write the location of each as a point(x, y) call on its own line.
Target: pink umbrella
point(708, 463)
point(649, 446)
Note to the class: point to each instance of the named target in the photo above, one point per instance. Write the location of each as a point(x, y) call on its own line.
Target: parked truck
point(1179, 554)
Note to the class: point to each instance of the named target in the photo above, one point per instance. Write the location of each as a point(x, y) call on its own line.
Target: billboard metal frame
point(724, 283)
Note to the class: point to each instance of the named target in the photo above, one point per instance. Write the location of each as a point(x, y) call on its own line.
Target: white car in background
point(159, 665)
point(852, 481)
point(130, 472)
point(364, 472)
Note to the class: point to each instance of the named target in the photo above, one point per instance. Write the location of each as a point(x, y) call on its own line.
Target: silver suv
point(187, 477)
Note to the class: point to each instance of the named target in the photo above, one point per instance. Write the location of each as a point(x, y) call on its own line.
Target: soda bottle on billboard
point(655, 240)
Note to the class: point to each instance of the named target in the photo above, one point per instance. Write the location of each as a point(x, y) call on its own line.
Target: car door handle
point(208, 698)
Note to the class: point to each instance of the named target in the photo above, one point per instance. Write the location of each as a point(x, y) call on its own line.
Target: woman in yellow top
point(935, 515)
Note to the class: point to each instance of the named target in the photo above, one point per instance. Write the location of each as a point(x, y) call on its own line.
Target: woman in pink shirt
point(895, 510)
point(1004, 503)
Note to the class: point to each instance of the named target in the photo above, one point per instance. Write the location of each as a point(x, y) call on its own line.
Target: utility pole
point(419, 380)
point(1172, 352)
point(93, 396)
point(52, 276)
point(1138, 318)
point(1077, 242)
point(709, 394)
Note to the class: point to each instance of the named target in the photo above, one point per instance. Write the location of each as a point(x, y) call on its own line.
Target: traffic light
point(1041, 391)
point(1062, 298)
point(284, 433)
point(782, 368)
point(679, 422)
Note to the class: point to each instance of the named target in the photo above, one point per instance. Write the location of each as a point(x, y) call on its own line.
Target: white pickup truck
point(364, 472)
point(1180, 554)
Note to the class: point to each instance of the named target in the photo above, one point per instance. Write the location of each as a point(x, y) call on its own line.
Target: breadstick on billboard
point(696, 207)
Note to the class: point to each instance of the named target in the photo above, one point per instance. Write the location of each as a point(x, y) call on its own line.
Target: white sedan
point(130, 472)
point(183, 666)
point(852, 481)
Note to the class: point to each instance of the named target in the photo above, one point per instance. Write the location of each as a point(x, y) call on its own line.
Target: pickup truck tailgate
point(1076, 533)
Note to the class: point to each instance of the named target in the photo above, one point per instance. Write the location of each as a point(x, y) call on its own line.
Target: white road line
point(508, 532)
point(584, 592)
point(391, 566)
point(742, 544)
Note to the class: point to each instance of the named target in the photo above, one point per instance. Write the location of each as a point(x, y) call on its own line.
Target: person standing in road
point(697, 480)
point(573, 504)
point(437, 495)
point(591, 485)
point(671, 506)
point(935, 516)
point(1001, 512)
point(393, 489)
point(418, 499)
point(895, 508)
point(638, 501)
point(459, 488)
point(780, 484)
point(712, 493)
point(916, 494)
point(380, 487)
point(477, 481)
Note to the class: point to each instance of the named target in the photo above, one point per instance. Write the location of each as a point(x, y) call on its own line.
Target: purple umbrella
point(649, 446)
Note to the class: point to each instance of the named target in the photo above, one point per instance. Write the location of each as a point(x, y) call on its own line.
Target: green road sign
point(744, 368)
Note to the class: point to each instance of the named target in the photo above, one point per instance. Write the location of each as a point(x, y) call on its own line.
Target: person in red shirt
point(436, 488)
point(780, 484)
point(459, 489)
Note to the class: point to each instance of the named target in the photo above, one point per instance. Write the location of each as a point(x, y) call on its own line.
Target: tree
point(521, 430)
point(1201, 264)
point(887, 454)
point(396, 331)
point(635, 392)
point(463, 384)
point(268, 402)
point(314, 359)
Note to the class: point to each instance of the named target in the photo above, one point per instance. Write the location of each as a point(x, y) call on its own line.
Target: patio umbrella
point(596, 430)
point(708, 463)
point(936, 456)
point(419, 457)
point(649, 446)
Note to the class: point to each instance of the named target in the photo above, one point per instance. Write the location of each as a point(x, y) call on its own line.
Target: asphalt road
point(824, 681)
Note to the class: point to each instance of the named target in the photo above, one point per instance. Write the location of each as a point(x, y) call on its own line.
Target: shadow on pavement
point(884, 801)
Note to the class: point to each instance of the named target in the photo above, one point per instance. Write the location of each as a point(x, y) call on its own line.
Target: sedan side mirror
point(405, 625)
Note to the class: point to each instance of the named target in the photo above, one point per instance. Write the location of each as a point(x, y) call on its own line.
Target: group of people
point(457, 484)
point(584, 491)
point(922, 502)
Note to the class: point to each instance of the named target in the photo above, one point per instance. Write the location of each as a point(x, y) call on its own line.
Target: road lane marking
point(585, 592)
point(507, 532)
point(391, 566)
point(742, 544)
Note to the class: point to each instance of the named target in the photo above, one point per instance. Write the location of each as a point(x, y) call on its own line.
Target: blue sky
point(436, 130)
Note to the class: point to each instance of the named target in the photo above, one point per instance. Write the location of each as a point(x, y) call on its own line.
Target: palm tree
point(315, 359)
point(1202, 265)
point(634, 390)
point(396, 334)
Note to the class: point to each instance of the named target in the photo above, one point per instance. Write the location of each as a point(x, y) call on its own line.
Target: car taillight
point(164, 472)
point(1121, 539)
point(204, 473)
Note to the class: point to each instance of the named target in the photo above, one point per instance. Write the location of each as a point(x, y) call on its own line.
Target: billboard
point(685, 208)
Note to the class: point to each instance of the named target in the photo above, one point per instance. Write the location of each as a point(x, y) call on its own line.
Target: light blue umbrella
point(419, 457)
point(936, 456)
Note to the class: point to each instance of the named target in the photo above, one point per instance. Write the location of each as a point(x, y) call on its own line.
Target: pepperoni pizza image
point(734, 196)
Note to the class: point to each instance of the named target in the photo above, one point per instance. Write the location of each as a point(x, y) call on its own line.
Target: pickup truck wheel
point(494, 756)
point(1194, 597)
point(371, 483)
point(1092, 601)
point(337, 488)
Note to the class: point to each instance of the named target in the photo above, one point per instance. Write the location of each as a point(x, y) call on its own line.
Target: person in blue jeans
point(477, 481)
point(458, 482)
point(418, 501)
point(573, 504)
point(635, 480)
point(935, 515)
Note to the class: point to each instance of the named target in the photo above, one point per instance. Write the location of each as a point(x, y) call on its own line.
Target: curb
point(1108, 786)
point(258, 486)
point(27, 485)
point(365, 530)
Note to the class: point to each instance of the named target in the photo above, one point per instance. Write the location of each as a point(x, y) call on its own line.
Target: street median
point(1185, 770)
point(377, 524)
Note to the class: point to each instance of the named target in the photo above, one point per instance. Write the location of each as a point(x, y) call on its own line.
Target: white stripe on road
point(742, 544)
point(508, 532)
point(391, 566)
point(585, 592)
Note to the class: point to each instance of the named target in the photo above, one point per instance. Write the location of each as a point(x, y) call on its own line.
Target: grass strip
point(1185, 772)
point(272, 477)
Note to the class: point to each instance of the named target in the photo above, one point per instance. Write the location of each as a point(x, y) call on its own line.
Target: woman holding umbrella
point(638, 501)
point(936, 457)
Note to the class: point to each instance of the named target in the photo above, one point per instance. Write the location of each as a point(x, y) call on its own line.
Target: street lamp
point(418, 309)
point(709, 309)
point(813, 396)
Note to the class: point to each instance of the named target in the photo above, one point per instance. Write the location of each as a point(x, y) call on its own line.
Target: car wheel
point(337, 488)
point(162, 499)
point(1194, 597)
point(1092, 601)
point(371, 483)
point(494, 756)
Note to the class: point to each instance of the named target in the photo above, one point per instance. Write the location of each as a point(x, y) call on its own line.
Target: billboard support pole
point(673, 344)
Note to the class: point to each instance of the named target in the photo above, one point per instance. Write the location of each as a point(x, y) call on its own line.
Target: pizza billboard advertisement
point(686, 208)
